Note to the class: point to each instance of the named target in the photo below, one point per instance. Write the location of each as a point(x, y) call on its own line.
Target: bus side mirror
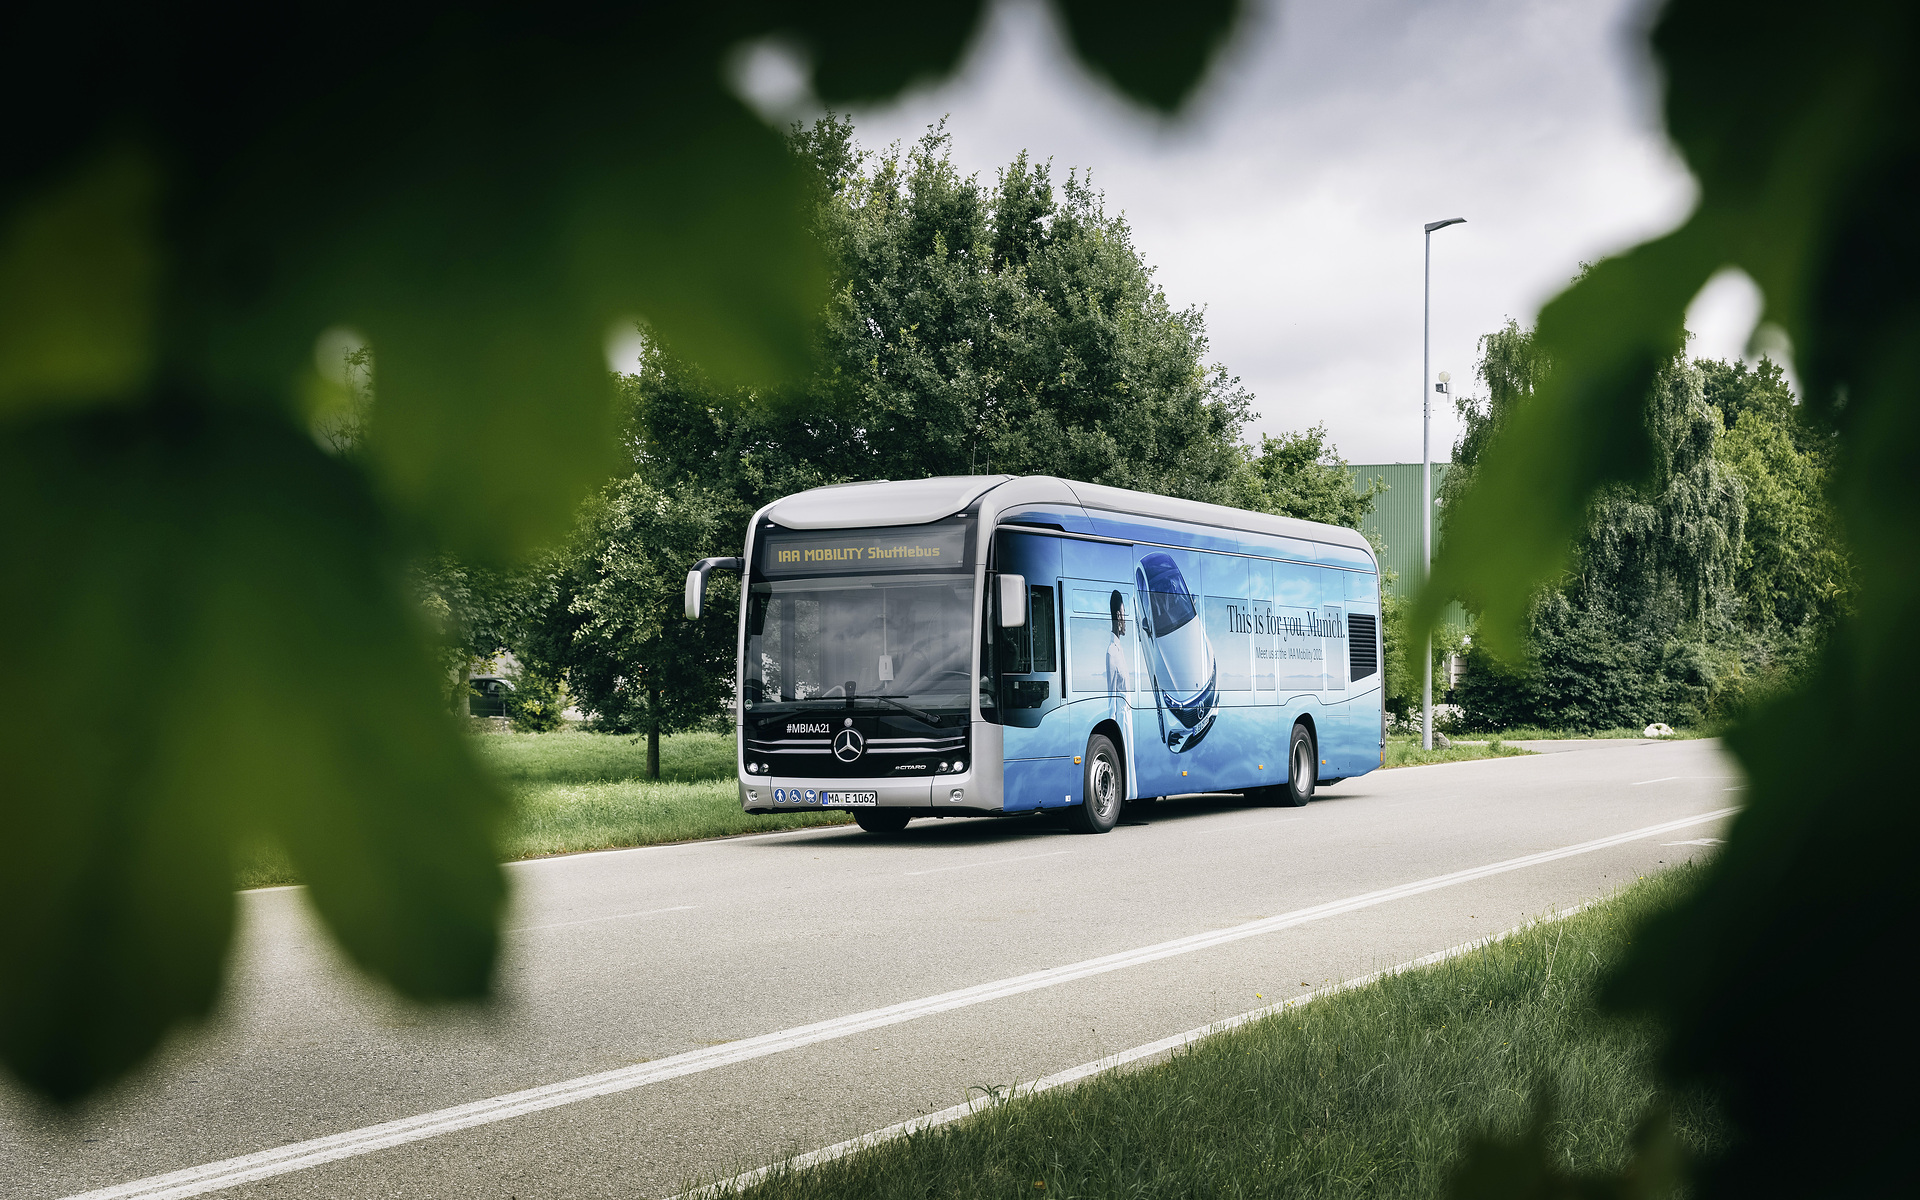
point(696, 599)
point(1013, 601)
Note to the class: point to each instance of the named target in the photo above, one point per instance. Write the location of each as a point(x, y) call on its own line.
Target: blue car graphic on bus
point(1186, 678)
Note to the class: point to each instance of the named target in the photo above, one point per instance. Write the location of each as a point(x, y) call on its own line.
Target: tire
point(881, 820)
point(1103, 788)
point(1303, 768)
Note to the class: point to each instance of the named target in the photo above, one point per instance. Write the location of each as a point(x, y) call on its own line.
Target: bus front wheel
point(1103, 788)
point(881, 820)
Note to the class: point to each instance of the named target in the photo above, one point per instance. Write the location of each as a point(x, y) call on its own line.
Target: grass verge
point(1535, 734)
point(574, 791)
point(595, 816)
point(1405, 751)
point(1372, 1092)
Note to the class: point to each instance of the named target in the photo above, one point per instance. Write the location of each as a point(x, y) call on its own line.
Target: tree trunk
point(653, 733)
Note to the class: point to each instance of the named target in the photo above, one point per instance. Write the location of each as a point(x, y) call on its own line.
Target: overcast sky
point(1288, 201)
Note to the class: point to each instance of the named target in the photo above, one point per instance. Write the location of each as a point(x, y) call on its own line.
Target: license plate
point(850, 799)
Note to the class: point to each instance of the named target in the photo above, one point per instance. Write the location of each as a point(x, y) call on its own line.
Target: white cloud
point(1289, 200)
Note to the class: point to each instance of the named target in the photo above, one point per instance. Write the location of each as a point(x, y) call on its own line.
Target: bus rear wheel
point(1303, 768)
point(881, 820)
point(1103, 788)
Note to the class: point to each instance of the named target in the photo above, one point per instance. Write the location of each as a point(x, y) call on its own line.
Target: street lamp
point(1426, 472)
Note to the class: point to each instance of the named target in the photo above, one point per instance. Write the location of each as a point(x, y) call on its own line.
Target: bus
point(996, 645)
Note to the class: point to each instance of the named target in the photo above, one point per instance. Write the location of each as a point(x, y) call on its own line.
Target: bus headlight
point(956, 795)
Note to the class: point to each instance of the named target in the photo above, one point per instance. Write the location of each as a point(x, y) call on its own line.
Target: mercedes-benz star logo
point(848, 745)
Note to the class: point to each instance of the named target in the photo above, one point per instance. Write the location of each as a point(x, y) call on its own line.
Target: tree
point(1792, 571)
point(1642, 624)
point(1302, 475)
point(614, 619)
point(972, 329)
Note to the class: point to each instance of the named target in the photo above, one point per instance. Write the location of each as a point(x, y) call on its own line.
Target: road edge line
point(1100, 1066)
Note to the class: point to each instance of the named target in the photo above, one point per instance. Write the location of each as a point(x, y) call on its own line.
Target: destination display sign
point(862, 551)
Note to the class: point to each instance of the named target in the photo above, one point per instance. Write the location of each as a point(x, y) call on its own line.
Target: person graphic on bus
point(1119, 662)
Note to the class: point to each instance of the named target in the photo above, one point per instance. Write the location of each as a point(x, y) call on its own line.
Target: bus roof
point(918, 501)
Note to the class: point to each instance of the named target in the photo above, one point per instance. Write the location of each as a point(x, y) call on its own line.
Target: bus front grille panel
point(882, 753)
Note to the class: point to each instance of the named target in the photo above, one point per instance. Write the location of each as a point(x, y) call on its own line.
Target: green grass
point(574, 791)
point(562, 818)
point(1535, 734)
point(1405, 751)
point(1371, 1092)
point(576, 756)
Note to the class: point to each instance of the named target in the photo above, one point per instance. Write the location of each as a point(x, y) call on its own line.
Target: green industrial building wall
point(1395, 522)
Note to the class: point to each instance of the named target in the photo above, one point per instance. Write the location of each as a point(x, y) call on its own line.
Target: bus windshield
point(900, 641)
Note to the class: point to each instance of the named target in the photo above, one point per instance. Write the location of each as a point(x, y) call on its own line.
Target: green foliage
point(178, 549)
point(536, 701)
point(177, 234)
point(612, 613)
point(1806, 177)
point(973, 329)
point(1591, 669)
point(1402, 687)
point(1302, 475)
point(1676, 607)
point(1793, 569)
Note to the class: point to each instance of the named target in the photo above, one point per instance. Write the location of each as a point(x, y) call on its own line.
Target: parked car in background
point(488, 695)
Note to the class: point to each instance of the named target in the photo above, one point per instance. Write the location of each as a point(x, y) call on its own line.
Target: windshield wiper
point(910, 710)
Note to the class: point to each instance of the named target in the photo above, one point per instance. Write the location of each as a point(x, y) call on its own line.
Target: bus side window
point(1030, 649)
point(1040, 622)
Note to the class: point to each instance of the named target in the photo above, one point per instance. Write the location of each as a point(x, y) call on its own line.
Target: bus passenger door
point(1040, 771)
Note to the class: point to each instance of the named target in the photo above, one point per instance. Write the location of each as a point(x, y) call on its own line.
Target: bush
point(536, 702)
point(1591, 670)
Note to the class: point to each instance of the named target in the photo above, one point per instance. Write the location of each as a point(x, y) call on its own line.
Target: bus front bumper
point(961, 794)
point(968, 793)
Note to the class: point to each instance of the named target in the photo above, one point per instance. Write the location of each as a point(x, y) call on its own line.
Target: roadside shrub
point(1591, 670)
point(536, 702)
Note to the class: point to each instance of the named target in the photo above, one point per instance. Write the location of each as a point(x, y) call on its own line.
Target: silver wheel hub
point(1102, 782)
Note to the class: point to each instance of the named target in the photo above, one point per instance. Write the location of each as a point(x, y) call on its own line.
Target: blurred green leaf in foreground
point(196, 211)
point(1802, 124)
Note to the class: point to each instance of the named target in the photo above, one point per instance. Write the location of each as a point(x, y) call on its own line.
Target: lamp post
point(1426, 472)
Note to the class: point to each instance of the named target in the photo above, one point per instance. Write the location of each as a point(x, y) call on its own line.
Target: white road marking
point(298, 1156)
point(596, 920)
point(1670, 778)
point(992, 862)
point(1695, 842)
point(1165, 1045)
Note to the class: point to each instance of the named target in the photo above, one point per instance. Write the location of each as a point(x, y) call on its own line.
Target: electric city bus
point(993, 645)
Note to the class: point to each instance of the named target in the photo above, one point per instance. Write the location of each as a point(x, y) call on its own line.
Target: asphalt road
point(699, 961)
